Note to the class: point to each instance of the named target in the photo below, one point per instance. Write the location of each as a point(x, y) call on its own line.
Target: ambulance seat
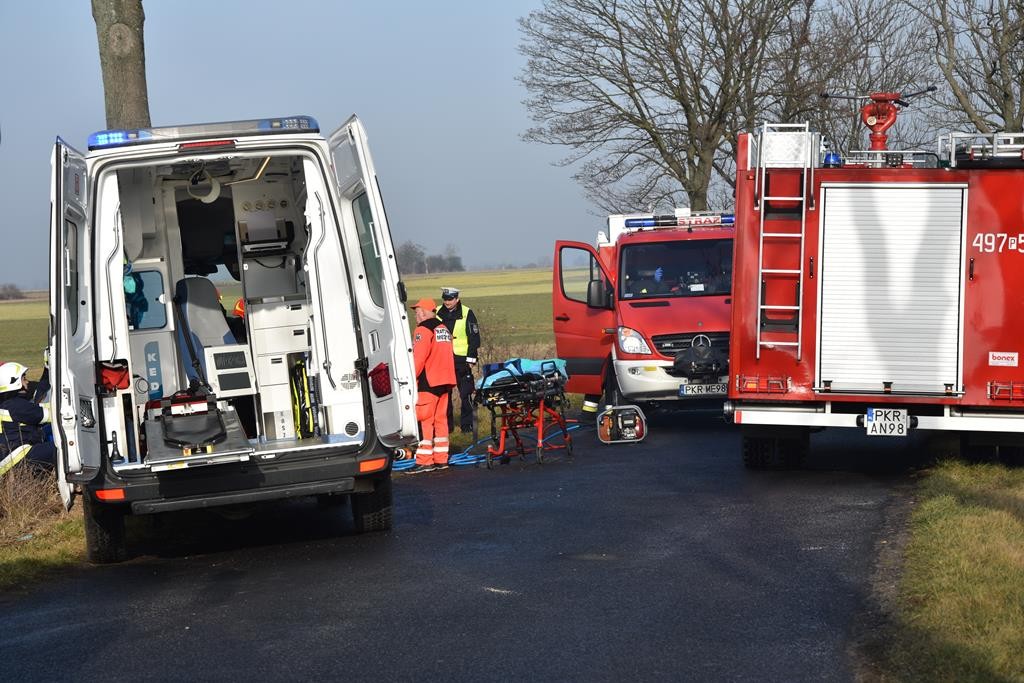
point(202, 319)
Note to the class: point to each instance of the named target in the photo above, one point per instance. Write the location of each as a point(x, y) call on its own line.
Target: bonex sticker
point(1003, 358)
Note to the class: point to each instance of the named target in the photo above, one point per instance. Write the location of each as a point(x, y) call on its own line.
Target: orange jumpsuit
point(435, 377)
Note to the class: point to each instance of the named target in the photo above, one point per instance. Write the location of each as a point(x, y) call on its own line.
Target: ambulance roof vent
point(106, 139)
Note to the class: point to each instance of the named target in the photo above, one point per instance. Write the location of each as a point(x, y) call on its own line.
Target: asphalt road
point(660, 560)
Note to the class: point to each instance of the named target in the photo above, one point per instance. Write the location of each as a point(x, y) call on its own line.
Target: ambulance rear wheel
point(104, 531)
point(372, 510)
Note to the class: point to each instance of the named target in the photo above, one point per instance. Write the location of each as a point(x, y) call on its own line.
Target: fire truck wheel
point(104, 531)
point(761, 452)
point(1011, 456)
point(372, 510)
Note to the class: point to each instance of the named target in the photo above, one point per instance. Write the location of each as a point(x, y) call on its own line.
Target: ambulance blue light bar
point(671, 221)
point(106, 139)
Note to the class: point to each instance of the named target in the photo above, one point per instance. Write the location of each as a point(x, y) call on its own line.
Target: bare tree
point(978, 51)
point(123, 62)
point(644, 92)
point(876, 46)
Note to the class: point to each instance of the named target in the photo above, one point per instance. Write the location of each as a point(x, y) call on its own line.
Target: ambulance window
point(71, 273)
point(368, 246)
point(577, 268)
point(143, 297)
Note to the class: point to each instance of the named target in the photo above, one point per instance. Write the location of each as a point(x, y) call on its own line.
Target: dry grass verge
point(36, 534)
point(961, 598)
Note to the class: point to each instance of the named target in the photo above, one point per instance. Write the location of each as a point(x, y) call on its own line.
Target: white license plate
point(886, 422)
point(702, 390)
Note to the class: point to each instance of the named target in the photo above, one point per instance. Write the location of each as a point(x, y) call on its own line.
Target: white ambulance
point(299, 383)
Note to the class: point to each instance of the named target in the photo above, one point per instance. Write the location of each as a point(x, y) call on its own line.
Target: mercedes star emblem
point(701, 345)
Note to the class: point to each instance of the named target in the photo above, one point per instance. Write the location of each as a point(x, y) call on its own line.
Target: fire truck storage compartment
point(890, 288)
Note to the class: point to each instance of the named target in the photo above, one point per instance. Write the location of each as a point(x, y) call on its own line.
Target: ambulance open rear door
point(72, 356)
point(379, 294)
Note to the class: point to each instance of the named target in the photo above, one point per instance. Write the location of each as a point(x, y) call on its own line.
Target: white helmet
point(10, 376)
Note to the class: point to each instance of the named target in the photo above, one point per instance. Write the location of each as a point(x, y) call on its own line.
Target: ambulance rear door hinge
point(362, 364)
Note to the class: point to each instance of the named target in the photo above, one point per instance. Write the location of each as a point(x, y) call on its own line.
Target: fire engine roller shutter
point(890, 302)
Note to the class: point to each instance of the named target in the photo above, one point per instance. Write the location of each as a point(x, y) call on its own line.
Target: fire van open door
point(584, 320)
point(384, 320)
point(72, 358)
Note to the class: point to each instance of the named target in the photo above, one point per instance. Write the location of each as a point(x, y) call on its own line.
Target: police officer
point(466, 342)
point(22, 419)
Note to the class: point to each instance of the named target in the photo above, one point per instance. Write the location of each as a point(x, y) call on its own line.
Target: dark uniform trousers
point(464, 377)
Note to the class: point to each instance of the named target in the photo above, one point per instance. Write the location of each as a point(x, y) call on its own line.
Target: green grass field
point(23, 333)
point(513, 307)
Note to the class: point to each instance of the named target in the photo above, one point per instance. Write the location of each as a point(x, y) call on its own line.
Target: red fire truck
point(644, 316)
point(880, 292)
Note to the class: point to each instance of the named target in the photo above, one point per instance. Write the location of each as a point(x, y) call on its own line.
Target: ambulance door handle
point(563, 317)
point(810, 268)
point(970, 274)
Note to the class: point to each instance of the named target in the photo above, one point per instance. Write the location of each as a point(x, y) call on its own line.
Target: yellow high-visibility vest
point(460, 340)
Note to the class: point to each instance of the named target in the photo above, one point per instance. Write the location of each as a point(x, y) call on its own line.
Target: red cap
point(426, 303)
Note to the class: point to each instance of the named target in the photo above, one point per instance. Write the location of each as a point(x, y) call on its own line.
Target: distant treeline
point(9, 292)
point(413, 258)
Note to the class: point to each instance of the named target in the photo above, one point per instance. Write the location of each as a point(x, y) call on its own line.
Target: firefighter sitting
point(22, 420)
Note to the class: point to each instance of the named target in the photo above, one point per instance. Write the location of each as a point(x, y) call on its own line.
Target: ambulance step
point(779, 343)
point(782, 199)
point(780, 271)
point(793, 235)
point(780, 308)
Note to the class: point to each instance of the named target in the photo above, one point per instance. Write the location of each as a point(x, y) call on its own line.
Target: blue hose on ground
point(466, 458)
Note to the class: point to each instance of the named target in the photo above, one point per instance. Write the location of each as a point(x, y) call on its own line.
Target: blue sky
point(434, 83)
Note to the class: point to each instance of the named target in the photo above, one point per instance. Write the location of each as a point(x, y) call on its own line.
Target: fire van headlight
point(631, 341)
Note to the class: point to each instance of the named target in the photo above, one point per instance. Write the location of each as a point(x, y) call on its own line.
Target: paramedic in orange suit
point(435, 377)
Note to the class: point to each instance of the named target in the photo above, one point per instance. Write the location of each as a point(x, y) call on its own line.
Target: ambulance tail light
point(380, 380)
point(756, 384)
point(372, 465)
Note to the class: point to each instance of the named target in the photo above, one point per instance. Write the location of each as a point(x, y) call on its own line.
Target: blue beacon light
point(673, 221)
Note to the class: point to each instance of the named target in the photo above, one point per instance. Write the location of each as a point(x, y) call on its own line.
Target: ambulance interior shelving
point(182, 233)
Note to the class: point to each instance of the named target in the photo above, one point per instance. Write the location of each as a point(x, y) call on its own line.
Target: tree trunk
point(123, 62)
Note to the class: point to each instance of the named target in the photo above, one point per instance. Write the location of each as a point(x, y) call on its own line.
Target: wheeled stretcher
point(524, 394)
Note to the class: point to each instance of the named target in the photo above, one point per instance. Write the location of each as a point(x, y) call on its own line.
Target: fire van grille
point(671, 344)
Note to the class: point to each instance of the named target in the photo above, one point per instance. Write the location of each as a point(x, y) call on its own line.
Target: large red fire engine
point(881, 292)
point(644, 316)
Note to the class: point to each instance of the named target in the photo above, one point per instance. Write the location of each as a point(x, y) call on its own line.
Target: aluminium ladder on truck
point(783, 146)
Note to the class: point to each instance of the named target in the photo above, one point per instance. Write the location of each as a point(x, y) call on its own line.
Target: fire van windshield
point(677, 269)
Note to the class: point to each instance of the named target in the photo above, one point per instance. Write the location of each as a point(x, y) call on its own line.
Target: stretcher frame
point(525, 401)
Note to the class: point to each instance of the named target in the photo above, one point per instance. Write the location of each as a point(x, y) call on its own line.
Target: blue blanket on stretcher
point(520, 367)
